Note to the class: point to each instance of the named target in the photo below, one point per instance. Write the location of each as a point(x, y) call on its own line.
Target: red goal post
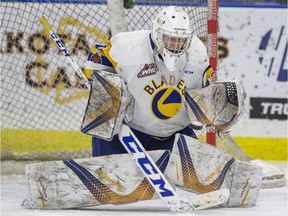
point(42, 100)
point(213, 10)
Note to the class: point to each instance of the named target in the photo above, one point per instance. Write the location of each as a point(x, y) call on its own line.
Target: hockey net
point(42, 99)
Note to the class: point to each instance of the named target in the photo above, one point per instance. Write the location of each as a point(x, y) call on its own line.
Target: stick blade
point(198, 202)
point(211, 199)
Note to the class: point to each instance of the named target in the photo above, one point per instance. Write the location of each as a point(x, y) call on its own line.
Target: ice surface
point(272, 202)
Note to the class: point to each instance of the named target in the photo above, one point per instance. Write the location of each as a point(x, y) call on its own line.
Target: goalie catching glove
point(219, 105)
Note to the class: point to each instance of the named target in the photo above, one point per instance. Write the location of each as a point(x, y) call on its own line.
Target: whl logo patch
point(148, 70)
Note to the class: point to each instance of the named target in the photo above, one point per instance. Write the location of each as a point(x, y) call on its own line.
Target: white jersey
point(159, 108)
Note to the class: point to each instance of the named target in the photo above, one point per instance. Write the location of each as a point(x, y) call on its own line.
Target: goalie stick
point(148, 167)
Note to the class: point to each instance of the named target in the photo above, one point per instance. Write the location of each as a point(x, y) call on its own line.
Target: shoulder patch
point(96, 58)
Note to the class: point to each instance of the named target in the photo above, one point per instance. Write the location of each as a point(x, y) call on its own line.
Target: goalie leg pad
point(113, 179)
point(246, 184)
point(202, 168)
point(272, 176)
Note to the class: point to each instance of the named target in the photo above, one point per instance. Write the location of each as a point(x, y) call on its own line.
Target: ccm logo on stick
point(60, 44)
point(147, 166)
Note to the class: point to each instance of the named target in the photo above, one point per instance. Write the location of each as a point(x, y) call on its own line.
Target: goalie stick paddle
point(148, 167)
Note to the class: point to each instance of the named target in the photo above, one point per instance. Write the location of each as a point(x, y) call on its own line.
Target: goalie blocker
point(115, 179)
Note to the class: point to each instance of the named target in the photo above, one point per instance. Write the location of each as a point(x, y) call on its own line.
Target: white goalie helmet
point(172, 34)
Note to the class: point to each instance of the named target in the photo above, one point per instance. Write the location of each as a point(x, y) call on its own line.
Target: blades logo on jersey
point(166, 102)
point(148, 70)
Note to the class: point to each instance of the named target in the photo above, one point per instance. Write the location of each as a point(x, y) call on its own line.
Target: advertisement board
point(253, 49)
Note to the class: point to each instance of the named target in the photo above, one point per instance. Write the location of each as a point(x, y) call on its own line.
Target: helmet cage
point(175, 43)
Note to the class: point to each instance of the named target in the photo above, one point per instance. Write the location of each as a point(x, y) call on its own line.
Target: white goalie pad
point(113, 179)
point(272, 175)
point(116, 179)
point(202, 168)
point(106, 106)
point(219, 105)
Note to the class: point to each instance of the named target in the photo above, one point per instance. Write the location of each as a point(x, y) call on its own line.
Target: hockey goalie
point(156, 83)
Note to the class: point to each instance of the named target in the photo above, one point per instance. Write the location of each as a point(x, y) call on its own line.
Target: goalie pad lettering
point(219, 105)
point(202, 168)
point(113, 179)
point(106, 106)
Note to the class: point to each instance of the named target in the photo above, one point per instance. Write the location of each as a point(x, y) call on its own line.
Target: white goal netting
point(42, 99)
